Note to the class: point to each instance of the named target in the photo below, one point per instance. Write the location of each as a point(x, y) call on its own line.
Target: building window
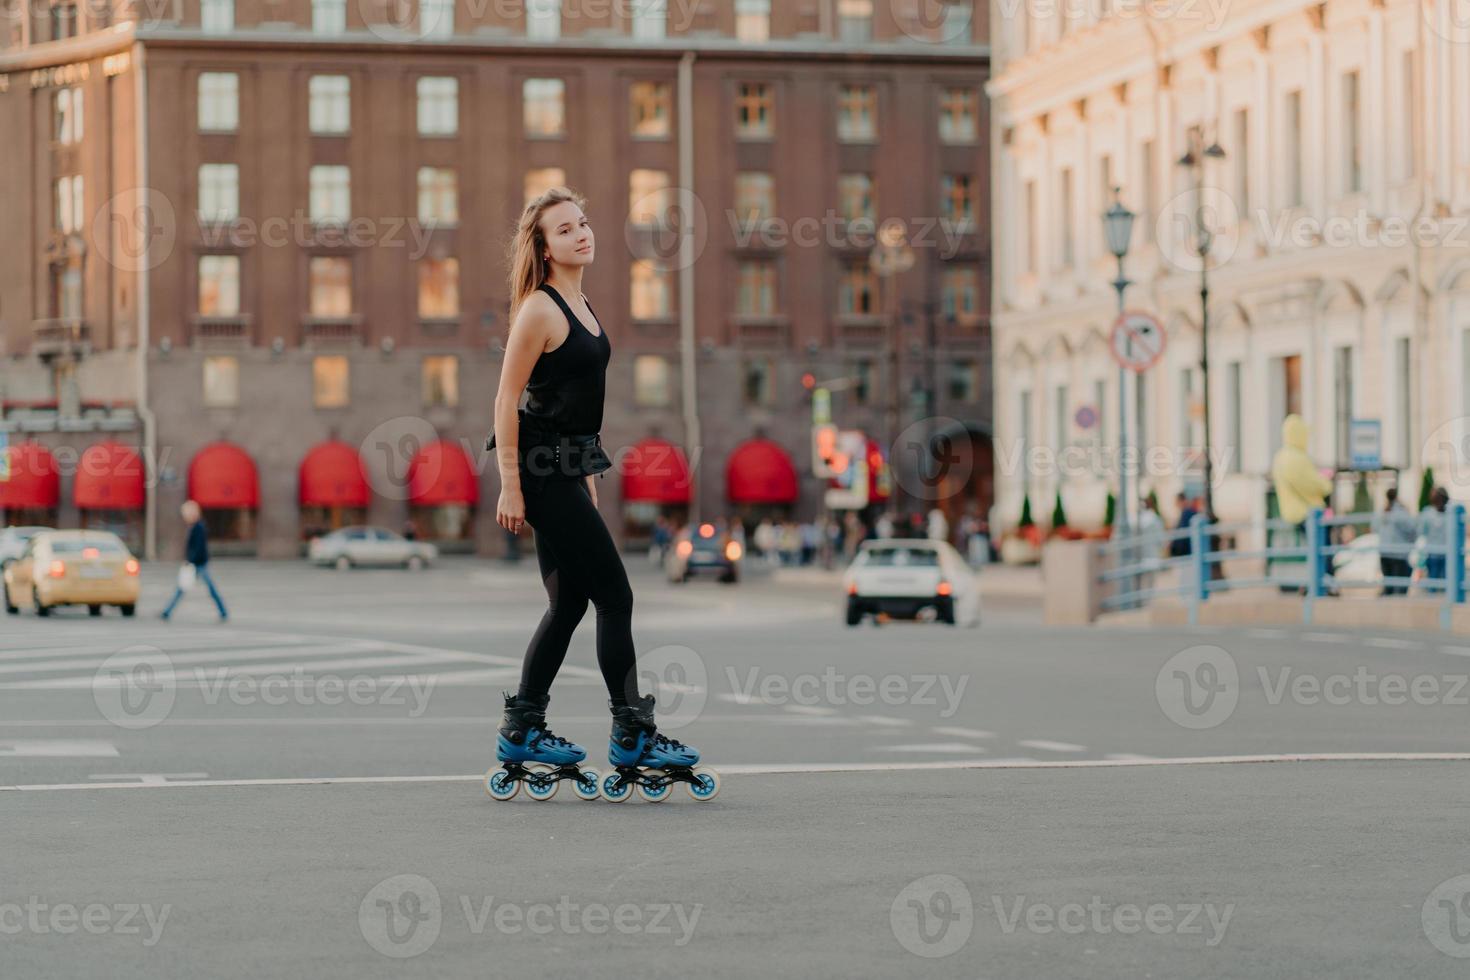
point(857, 291)
point(1292, 138)
point(1148, 207)
point(651, 381)
point(219, 285)
point(1023, 438)
point(217, 16)
point(862, 388)
point(1404, 373)
point(758, 387)
point(755, 114)
point(755, 289)
point(1342, 397)
point(330, 108)
point(331, 194)
point(753, 21)
point(1408, 117)
point(649, 198)
point(652, 104)
point(67, 193)
point(1241, 152)
point(221, 381)
point(331, 286)
point(958, 116)
point(755, 198)
point(857, 114)
point(855, 21)
point(63, 21)
point(958, 15)
point(855, 198)
point(438, 196)
point(328, 16)
point(219, 192)
point(651, 291)
point(650, 19)
point(964, 381)
point(441, 381)
point(1234, 409)
point(959, 293)
point(438, 106)
point(67, 116)
point(1030, 247)
point(438, 289)
point(1100, 406)
point(1352, 135)
point(1186, 409)
point(957, 200)
point(1065, 219)
point(543, 179)
point(436, 18)
point(329, 381)
point(1061, 417)
point(543, 20)
point(219, 101)
point(544, 107)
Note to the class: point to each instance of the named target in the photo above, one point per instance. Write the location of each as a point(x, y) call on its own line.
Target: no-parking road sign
point(1137, 341)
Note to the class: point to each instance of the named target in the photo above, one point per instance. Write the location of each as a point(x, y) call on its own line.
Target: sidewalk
point(996, 580)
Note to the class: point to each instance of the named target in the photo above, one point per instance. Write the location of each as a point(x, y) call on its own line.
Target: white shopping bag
point(187, 575)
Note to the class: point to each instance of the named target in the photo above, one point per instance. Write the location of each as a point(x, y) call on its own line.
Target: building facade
point(251, 235)
point(1337, 188)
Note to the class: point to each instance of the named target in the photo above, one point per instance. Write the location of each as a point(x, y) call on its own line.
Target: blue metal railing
point(1133, 564)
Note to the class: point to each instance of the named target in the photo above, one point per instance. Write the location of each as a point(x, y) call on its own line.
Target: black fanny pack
point(544, 452)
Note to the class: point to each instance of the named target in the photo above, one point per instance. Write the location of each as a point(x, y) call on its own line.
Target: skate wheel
point(542, 784)
point(586, 787)
point(618, 794)
point(705, 786)
point(655, 794)
point(501, 785)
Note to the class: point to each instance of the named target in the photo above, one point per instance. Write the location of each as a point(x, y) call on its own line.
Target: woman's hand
point(592, 488)
point(510, 512)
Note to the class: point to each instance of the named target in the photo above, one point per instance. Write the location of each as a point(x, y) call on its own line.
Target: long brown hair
point(528, 265)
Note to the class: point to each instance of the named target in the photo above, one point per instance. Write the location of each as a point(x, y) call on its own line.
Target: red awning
point(655, 471)
point(441, 474)
point(110, 476)
point(760, 472)
point(222, 475)
point(331, 476)
point(34, 480)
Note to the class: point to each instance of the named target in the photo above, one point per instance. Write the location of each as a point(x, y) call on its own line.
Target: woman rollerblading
point(548, 455)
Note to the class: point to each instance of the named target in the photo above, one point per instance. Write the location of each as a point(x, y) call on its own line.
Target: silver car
point(348, 547)
point(13, 541)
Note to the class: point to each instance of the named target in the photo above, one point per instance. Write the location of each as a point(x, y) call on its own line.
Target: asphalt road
point(297, 792)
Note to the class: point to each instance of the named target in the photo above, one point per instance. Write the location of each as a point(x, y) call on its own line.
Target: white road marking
point(57, 748)
point(1391, 643)
point(1128, 757)
point(1048, 746)
point(1262, 633)
point(886, 721)
point(809, 709)
point(1322, 637)
point(962, 732)
point(1455, 651)
point(800, 767)
point(185, 659)
point(931, 747)
point(185, 680)
point(149, 778)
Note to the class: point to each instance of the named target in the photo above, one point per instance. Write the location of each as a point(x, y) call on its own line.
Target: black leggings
point(579, 563)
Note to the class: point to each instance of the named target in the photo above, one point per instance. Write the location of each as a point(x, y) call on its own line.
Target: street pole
point(1121, 517)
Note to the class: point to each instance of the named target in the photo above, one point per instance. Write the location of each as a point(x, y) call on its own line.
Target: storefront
point(224, 482)
point(30, 486)
point(109, 491)
point(332, 490)
point(442, 495)
point(656, 484)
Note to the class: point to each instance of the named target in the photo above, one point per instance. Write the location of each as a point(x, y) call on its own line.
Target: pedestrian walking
point(196, 562)
point(549, 458)
point(937, 525)
point(1432, 526)
point(1396, 529)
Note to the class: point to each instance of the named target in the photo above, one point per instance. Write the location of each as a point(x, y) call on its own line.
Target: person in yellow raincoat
point(1299, 488)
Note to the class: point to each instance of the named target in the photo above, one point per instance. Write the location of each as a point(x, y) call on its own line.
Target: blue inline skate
point(531, 754)
point(644, 758)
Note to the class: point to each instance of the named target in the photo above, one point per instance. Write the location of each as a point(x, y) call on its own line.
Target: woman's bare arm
point(529, 333)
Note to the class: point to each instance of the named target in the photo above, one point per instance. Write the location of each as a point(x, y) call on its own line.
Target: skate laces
point(547, 736)
point(663, 741)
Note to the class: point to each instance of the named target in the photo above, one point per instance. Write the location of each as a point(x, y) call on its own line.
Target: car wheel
point(854, 611)
point(129, 609)
point(41, 610)
point(10, 607)
point(944, 612)
point(343, 563)
point(415, 563)
point(94, 610)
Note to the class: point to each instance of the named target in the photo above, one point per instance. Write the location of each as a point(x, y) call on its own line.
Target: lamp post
point(1118, 230)
point(1194, 161)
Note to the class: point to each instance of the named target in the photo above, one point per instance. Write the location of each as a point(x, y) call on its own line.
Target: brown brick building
point(244, 234)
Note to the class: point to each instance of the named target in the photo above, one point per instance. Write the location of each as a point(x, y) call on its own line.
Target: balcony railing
point(333, 330)
point(222, 331)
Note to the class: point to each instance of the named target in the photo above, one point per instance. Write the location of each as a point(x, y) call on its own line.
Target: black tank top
point(566, 387)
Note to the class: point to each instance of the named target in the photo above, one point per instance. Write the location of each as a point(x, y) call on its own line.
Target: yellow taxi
point(72, 568)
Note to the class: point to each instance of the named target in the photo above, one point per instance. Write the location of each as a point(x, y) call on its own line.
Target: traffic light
point(808, 381)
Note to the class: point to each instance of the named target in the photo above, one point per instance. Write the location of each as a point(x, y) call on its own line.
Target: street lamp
point(1118, 230)
point(1194, 161)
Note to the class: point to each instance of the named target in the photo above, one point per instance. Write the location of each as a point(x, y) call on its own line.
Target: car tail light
point(90, 553)
point(945, 588)
point(686, 548)
point(852, 588)
point(131, 566)
point(57, 569)
point(706, 530)
point(732, 551)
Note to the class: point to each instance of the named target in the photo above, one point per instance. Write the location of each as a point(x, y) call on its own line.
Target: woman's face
point(568, 235)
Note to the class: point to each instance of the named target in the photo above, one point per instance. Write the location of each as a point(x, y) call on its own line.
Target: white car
point(905, 576)
point(359, 545)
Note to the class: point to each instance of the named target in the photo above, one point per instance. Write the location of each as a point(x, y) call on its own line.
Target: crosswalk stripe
point(244, 653)
point(56, 748)
point(185, 680)
point(1048, 746)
